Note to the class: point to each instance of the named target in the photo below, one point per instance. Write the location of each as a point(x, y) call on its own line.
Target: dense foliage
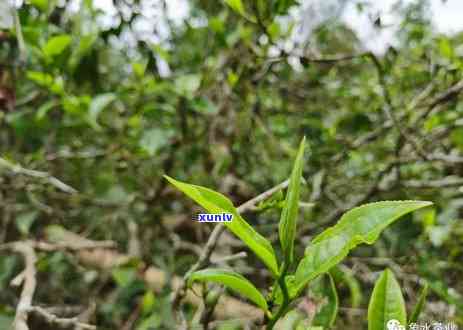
point(93, 114)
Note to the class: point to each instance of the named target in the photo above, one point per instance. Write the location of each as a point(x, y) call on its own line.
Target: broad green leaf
point(288, 221)
point(217, 203)
point(360, 225)
point(56, 45)
point(387, 304)
point(419, 304)
point(326, 299)
point(232, 280)
point(98, 104)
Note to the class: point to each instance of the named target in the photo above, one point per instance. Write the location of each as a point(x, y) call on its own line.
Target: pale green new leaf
point(232, 280)
point(360, 225)
point(386, 303)
point(288, 221)
point(419, 304)
point(98, 104)
point(237, 6)
point(214, 202)
point(56, 45)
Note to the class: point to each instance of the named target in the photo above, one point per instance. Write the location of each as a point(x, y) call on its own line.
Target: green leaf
point(98, 104)
point(153, 139)
point(25, 221)
point(386, 303)
point(237, 6)
point(290, 320)
point(215, 202)
point(44, 108)
point(288, 221)
point(56, 45)
point(419, 304)
point(40, 4)
point(327, 301)
point(360, 225)
point(232, 280)
point(188, 84)
point(343, 274)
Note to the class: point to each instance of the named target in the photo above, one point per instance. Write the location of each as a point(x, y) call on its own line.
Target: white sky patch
point(446, 17)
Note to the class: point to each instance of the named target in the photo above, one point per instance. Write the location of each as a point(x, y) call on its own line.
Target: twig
point(450, 181)
point(18, 169)
point(235, 256)
point(60, 322)
point(29, 280)
point(30, 283)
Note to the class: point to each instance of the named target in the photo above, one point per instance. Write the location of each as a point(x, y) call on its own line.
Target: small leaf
point(232, 280)
point(237, 6)
point(187, 84)
point(44, 108)
point(327, 302)
point(153, 139)
point(56, 45)
point(288, 221)
point(386, 303)
point(343, 274)
point(98, 104)
point(25, 221)
point(419, 304)
point(217, 203)
point(360, 225)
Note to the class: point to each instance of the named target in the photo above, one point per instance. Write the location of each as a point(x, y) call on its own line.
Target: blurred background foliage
point(110, 101)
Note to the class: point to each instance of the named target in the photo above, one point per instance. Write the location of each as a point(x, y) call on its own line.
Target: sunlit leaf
point(386, 303)
point(288, 221)
point(360, 225)
point(232, 280)
point(56, 45)
point(217, 203)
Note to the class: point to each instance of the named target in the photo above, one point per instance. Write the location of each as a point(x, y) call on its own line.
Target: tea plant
point(362, 224)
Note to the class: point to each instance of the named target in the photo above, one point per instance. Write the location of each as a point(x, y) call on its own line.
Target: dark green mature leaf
point(288, 221)
point(386, 303)
point(360, 225)
point(217, 203)
point(419, 304)
point(232, 280)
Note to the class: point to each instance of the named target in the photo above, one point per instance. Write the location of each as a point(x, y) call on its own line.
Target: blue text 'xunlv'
point(214, 217)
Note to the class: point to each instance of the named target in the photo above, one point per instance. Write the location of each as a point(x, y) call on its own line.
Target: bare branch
point(58, 321)
point(18, 169)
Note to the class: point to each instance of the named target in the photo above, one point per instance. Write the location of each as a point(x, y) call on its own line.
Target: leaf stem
point(284, 306)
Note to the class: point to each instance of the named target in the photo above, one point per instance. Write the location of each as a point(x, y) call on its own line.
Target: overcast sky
point(447, 17)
